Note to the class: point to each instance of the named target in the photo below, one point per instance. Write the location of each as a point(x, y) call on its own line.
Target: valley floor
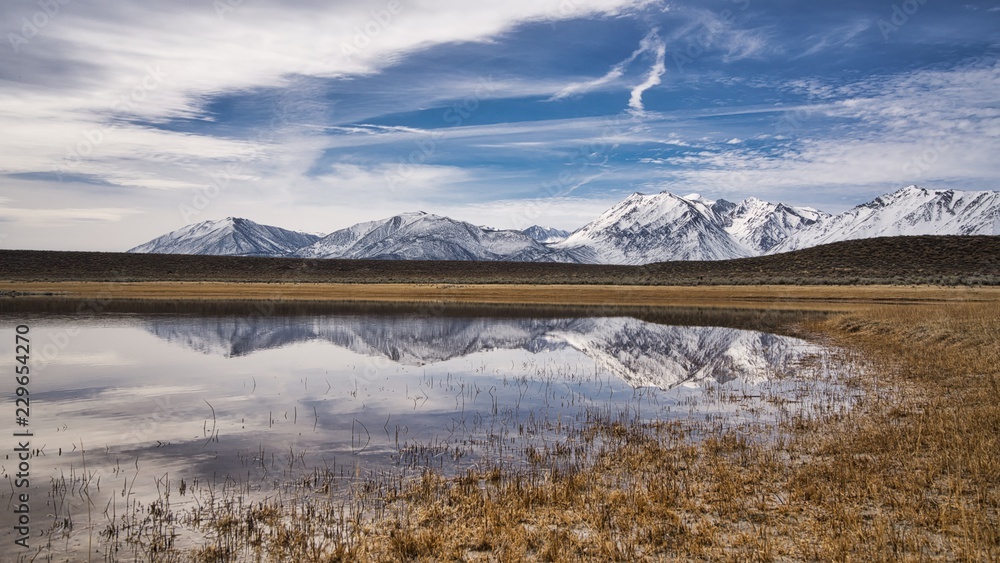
point(738, 296)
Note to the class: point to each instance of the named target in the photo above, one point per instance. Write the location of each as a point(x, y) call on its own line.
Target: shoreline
point(827, 297)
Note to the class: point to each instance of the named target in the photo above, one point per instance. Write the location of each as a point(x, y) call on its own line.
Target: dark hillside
point(947, 260)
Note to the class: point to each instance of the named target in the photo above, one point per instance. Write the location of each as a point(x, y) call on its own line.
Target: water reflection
point(641, 353)
point(256, 400)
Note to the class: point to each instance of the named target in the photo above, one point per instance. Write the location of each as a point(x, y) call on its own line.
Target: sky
point(125, 120)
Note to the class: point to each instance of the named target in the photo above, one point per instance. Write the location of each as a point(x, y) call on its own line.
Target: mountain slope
point(231, 236)
point(546, 235)
point(423, 236)
point(907, 212)
point(656, 228)
point(760, 225)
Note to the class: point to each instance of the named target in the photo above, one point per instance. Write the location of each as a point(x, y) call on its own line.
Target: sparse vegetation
point(941, 260)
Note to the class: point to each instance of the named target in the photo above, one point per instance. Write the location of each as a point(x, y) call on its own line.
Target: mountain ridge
point(907, 212)
point(424, 236)
point(232, 236)
point(641, 229)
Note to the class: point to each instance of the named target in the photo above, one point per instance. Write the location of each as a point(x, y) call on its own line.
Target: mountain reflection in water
point(641, 353)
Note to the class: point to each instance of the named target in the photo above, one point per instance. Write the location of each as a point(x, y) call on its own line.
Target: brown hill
point(945, 260)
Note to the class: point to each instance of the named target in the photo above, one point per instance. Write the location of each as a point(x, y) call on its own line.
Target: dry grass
point(918, 474)
point(778, 296)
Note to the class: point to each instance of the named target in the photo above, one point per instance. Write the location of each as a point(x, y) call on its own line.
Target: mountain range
point(641, 229)
point(423, 236)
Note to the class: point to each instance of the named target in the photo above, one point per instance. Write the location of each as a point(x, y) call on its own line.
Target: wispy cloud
point(59, 217)
point(651, 43)
point(937, 127)
point(163, 73)
point(835, 38)
point(616, 72)
point(709, 31)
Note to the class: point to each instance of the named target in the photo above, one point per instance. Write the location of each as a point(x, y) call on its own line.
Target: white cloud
point(836, 37)
point(652, 43)
point(582, 183)
point(401, 184)
point(713, 32)
point(109, 74)
point(68, 216)
point(932, 127)
point(568, 213)
point(616, 72)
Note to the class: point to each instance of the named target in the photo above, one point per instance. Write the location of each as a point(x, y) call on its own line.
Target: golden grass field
point(911, 473)
point(605, 295)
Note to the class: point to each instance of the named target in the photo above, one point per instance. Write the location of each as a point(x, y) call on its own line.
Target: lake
point(126, 407)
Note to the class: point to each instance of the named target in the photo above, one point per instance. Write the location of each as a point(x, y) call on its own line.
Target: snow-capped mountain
point(655, 228)
point(423, 236)
point(231, 236)
point(760, 225)
point(907, 212)
point(643, 354)
point(546, 235)
point(639, 230)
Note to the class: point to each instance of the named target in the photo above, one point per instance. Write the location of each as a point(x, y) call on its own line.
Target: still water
point(123, 406)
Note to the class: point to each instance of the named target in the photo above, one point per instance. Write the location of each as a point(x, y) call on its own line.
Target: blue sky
point(124, 121)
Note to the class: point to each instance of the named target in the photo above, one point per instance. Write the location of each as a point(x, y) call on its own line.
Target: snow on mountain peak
point(760, 225)
point(909, 211)
point(232, 236)
point(424, 236)
point(697, 198)
point(637, 230)
point(653, 228)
